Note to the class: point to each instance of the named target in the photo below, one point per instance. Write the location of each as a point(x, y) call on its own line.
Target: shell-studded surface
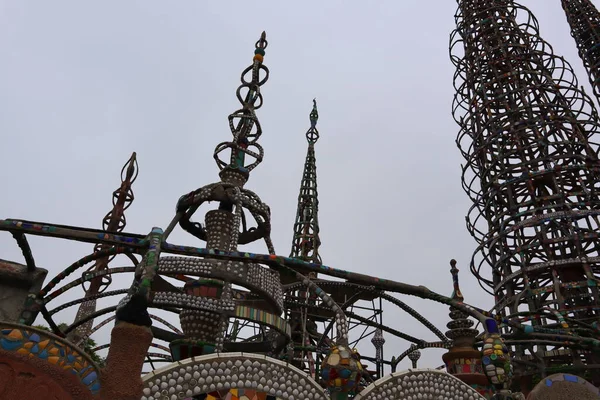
point(421, 384)
point(224, 371)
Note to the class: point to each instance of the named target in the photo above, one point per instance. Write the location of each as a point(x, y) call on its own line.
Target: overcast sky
point(84, 84)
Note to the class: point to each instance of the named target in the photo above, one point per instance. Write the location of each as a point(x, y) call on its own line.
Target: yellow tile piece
point(43, 344)
point(15, 334)
point(23, 351)
point(28, 345)
point(53, 359)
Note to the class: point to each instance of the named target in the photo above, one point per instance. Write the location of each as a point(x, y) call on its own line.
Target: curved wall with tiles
point(214, 374)
point(419, 384)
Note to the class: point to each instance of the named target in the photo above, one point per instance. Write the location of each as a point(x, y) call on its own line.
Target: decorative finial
point(261, 45)
point(456, 294)
point(312, 135)
point(414, 357)
point(378, 340)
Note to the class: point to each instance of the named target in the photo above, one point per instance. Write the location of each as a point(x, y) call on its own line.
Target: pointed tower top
point(460, 326)
point(312, 135)
point(456, 294)
point(306, 229)
point(246, 153)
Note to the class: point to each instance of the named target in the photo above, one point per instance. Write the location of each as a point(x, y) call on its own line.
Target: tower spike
point(244, 124)
point(463, 337)
point(584, 20)
point(114, 221)
point(306, 241)
point(531, 170)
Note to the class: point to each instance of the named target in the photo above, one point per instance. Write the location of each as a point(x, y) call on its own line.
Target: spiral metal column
point(584, 21)
point(531, 170)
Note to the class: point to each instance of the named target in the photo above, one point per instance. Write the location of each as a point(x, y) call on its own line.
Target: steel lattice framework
point(531, 170)
point(584, 20)
point(306, 240)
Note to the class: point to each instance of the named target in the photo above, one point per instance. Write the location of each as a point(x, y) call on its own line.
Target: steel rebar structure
point(531, 171)
point(584, 20)
point(114, 221)
point(306, 242)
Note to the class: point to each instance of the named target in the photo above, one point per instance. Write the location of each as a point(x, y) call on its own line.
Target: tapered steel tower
point(532, 173)
point(584, 20)
point(306, 240)
point(305, 247)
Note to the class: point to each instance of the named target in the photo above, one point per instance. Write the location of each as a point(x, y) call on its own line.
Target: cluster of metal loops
point(243, 123)
point(530, 170)
point(584, 20)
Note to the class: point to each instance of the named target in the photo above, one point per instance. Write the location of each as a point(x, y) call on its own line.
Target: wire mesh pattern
point(584, 21)
point(531, 166)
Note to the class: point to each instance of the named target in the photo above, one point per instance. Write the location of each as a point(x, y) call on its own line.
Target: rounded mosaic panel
point(419, 384)
point(32, 342)
point(225, 371)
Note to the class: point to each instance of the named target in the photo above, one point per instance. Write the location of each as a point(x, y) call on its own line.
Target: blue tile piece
point(35, 349)
point(6, 331)
point(95, 388)
point(548, 382)
point(43, 355)
point(570, 378)
point(89, 378)
point(71, 358)
point(9, 344)
point(34, 337)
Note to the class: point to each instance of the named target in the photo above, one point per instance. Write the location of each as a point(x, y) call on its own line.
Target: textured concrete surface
point(121, 379)
point(16, 282)
point(560, 389)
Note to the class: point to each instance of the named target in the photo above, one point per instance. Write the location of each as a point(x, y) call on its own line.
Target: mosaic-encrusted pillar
point(200, 325)
point(206, 327)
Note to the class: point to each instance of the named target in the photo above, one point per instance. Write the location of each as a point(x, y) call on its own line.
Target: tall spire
point(530, 169)
point(114, 221)
point(244, 123)
point(306, 242)
point(584, 20)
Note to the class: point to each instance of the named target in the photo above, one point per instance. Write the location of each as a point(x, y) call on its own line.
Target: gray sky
point(83, 84)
